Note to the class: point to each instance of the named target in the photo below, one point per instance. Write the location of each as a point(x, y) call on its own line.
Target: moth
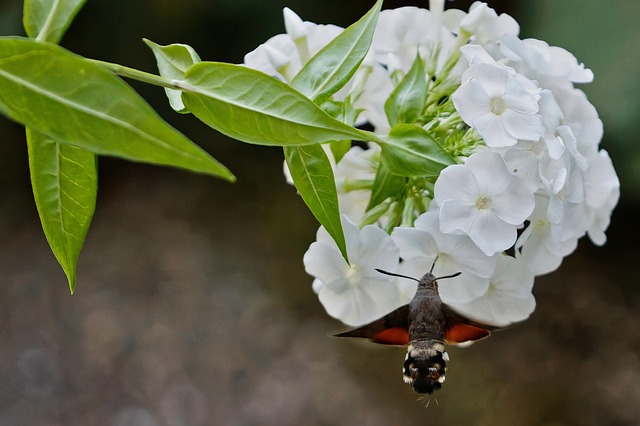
point(426, 324)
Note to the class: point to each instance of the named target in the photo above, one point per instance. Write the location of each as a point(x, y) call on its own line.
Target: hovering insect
point(425, 325)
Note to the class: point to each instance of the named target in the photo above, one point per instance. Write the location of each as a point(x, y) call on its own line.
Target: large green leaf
point(173, 62)
point(64, 177)
point(410, 151)
point(79, 103)
point(313, 177)
point(406, 102)
point(253, 107)
point(47, 20)
point(65, 184)
point(330, 69)
point(326, 73)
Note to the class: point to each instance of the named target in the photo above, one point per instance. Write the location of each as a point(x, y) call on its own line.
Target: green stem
point(451, 62)
point(356, 184)
point(374, 214)
point(368, 136)
point(138, 75)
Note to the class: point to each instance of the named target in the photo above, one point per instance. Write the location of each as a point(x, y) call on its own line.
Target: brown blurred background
point(192, 306)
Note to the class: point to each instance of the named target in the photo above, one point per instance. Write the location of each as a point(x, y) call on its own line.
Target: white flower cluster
point(530, 179)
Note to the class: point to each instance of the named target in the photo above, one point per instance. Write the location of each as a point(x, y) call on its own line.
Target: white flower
point(540, 245)
point(354, 175)
point(476, 54)
point(552, 119)
point(283, 55)
point(527, 158)
point(531, 164)
point(602, 190)
point(565, 189)
point(485, 26)
point(524, 159)
point(403, 32)
point(422, 245)
point(501, 105)
point(551, 66)
point(532, 159)
point(483, 200)
point(295, 27)
point(581, 116)
point(355, 293)
point(601, 181)
point(375, 89)
point(508, 298)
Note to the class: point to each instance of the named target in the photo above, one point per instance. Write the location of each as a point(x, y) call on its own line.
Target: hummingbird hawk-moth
point(425, 325)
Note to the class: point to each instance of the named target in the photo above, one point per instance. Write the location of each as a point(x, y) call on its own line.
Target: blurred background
point(192, 306)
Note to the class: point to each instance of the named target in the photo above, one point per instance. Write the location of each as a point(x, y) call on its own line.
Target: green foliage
point(409, 150)
point(63, 177)
point(313, 177)
point(65, 185)
point(253, 107)
point(79, 103)
point(75, 108)
point(408, 98)
point(330, 69)
point(47, 20)
point(173, 62)
point(326, 73)
point(385, 185)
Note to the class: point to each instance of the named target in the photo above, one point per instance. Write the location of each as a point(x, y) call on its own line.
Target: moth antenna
point(448, 276)
point(433, 265)
point(393, 274)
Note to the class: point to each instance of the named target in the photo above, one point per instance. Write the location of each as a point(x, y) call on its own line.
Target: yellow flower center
point(483, 202)
point(498, 106)
point(354, 274)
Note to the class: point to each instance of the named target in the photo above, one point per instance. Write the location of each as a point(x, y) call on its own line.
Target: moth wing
point(460, 330)
point(392, 329)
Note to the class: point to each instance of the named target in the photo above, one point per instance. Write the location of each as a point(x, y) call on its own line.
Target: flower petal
point(324, 262)
point(462, 288)
point(414, 242)
point(491, 128)
point(378, 250)
point(456, 182)
point(491, 234)
point(471, 101)
point(457, 216)
point(515, 204)
point(490, 172)
point(522, 126)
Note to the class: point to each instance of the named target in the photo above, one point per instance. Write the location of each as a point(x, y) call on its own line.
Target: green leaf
point(339, 149)
point(385, 185)
point(345, 113)
point(65, 184)
point(313, 177)
point(173, 62)
point(406, 102)
point(332, 67)
point(76, 102)
point(410, 151)
point(47, 20)
point(253, 107)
